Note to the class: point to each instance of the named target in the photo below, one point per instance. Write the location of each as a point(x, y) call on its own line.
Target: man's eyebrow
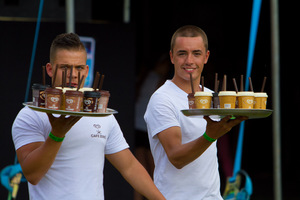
point(79, 65)
point(69, 66)
point(194, 51)
point(181, 51)
point(197, 50)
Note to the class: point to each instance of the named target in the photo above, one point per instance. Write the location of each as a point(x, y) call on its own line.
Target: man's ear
point(207, 56)
point(49, 69)
point(171, 57)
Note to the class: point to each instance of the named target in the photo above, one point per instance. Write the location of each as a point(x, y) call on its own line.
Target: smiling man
point(183, 148)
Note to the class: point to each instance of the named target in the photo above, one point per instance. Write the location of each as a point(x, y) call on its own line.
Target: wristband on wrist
point(56, 139)
point(208, 138)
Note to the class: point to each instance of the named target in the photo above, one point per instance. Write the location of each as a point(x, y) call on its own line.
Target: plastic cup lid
point(227, 93)
point(245, 94)
point(203, 94)
point(260, 94)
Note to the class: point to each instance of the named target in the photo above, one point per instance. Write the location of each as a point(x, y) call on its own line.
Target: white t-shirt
point(77, 172)
point(197, 180)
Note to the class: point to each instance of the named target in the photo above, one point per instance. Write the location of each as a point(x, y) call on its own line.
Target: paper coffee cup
point(227, 99)
point(260, 100)
point(73, 100)
point(53, 98)
point(191, 101)
point(203, 99)
point(245, 100)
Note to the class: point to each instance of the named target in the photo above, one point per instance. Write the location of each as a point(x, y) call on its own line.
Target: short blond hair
point(189, 31)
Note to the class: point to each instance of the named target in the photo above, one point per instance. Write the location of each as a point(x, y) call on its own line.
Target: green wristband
point(56, 139)
point(208, 138)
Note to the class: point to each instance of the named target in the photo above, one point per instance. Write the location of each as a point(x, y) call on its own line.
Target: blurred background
point(127, 49)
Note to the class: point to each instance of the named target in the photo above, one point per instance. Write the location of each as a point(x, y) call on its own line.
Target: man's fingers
point(207, 118)
point(74, 119)
point(236, 121)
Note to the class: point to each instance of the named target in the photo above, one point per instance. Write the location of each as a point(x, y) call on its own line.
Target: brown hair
point(67, 41)
point(189, 31)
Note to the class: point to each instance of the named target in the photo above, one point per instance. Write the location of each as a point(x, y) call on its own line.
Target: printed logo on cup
point(69, 101)
point(203, 101)
point(42, 95)
point(88, 102)
point(54, 99)
point(191, 102)
point(249, 101)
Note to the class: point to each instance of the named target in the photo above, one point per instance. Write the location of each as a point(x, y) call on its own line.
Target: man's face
point(189, 56)
point(64, 60)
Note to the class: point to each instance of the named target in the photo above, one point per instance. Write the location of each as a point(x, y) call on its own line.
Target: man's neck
point(186, 85)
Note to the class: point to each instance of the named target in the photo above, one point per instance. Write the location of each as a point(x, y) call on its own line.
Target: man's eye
point(80, 68)
point(64, 66)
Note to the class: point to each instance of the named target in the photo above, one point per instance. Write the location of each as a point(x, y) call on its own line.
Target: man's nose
point(189, 59)
point(72, 72)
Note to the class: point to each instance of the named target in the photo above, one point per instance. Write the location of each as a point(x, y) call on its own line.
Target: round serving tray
point(219, 112)
point(109, 111)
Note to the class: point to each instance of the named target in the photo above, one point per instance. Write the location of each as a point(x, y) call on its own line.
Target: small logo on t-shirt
point(98, 133)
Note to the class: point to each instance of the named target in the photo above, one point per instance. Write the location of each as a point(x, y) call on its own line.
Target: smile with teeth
point(189, 69)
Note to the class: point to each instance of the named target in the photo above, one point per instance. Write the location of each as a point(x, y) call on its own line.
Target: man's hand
point(61, 125)
point(216, 129)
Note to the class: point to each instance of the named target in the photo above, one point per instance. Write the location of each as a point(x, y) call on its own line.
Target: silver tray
point(109, 111)
point(220, 113)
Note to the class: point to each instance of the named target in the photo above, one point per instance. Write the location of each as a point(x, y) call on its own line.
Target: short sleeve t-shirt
point(197, 180)
point(77, 172)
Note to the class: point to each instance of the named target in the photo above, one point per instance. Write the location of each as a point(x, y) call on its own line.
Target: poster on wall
point(90, 46)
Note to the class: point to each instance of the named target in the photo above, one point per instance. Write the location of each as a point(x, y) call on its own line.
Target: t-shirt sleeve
point(115, 141)
point(28, 128)
point(160, 114)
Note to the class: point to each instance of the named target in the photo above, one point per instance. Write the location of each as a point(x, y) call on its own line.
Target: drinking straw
point(70, 79)
point(216, 83)
point(235, 85)
point(202, 83)
point(54, 76)
point(80, 81)
point(101, 82)
point(96, 81)
point(193, 91)
point(78, 78)
point(242, 82)
point(63, 79)
point(224, 83)
point(250, 84)
point(264, 84)
point(44, 75)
